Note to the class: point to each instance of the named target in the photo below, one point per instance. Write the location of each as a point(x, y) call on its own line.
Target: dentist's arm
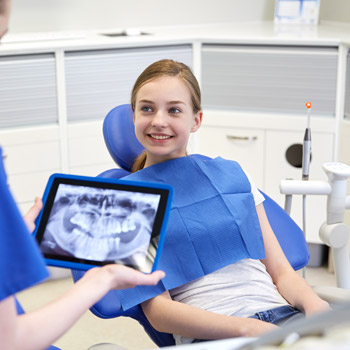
point(38, 329)
point(5, 7)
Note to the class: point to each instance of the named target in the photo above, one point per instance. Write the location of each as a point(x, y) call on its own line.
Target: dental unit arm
point(334, 232)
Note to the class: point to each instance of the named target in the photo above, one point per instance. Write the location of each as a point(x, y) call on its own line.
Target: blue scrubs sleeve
point(21, 264)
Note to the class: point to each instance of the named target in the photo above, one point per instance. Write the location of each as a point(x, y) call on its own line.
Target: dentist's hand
point(5, 7)
point(32, 214)
point(121, 277)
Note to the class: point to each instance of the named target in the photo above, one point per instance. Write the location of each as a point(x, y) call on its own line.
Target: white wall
point(50, 15)
point(335, 10)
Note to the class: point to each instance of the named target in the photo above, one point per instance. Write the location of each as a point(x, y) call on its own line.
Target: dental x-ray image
point(102, 225)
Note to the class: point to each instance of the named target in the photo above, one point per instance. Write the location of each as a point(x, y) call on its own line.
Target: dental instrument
point(306, 159)
point(306, 164)
point(307, 145)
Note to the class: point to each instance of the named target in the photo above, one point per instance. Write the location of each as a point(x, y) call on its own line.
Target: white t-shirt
point(240, 289)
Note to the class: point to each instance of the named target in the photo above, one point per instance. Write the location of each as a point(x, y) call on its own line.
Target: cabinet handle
point(242, 138)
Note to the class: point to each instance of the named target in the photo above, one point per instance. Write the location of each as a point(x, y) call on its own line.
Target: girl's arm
point(167, 315)
point(38, 329)
point(289, 283)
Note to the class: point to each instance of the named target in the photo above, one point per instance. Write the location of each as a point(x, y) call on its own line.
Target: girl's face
point(164, 119)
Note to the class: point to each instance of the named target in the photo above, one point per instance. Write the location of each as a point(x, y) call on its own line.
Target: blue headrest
point(120, 138)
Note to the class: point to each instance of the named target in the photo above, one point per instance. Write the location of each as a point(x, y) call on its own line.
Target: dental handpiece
point(307, 146)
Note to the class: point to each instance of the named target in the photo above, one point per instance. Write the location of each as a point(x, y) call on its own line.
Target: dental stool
point(121, 142)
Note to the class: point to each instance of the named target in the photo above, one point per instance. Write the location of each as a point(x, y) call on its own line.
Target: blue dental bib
point(212, 223)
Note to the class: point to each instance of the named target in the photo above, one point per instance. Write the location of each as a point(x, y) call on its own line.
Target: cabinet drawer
point(246, 146)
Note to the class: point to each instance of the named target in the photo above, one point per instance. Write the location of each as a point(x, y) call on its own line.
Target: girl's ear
point(197, 121)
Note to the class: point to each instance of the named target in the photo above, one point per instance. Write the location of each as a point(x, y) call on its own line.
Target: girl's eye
point(146, 109)
point(174, 110)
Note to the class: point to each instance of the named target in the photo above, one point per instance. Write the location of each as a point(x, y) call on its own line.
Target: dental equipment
point(334, 232)
point(306, 159)
point(306, 164)
point(307, 145)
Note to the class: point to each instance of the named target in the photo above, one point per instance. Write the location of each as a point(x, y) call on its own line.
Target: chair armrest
point(332, 295)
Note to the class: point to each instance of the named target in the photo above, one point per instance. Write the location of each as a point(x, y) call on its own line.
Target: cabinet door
point(88, 154)
point(278, 167)
point(246, 146)
point(32, 155)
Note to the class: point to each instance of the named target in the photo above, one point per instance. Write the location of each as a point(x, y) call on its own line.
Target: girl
point(22, 266)
point(252, 288)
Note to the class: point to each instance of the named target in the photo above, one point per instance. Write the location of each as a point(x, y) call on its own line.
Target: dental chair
point(121, 142)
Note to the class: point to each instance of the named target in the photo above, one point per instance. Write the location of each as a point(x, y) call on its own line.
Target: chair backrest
point(120, 139)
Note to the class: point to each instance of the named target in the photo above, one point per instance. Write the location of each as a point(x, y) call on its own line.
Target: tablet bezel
point(160, 221)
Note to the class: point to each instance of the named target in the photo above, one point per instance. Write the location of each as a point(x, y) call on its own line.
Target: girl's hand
point(32, 214)
point(251, 327)
point(317, 305)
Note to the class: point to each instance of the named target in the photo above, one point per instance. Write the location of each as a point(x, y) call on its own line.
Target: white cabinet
point(257, 95)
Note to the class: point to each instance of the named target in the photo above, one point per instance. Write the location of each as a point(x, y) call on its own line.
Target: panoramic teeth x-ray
point(100, 224)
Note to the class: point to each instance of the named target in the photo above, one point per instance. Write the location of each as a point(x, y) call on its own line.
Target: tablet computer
point(92, 221)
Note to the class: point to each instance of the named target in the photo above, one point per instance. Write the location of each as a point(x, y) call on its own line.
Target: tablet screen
point(90, 222)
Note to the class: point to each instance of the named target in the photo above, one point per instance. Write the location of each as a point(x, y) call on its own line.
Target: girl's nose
point(159, 119)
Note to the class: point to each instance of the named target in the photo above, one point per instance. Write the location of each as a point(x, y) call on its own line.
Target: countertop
point(257, 33)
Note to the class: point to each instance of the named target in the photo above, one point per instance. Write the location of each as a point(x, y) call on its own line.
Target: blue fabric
point(212, 223)
point(21, 262)
point(118, 130)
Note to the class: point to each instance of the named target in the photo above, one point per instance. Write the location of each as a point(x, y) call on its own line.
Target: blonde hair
point(164, 68)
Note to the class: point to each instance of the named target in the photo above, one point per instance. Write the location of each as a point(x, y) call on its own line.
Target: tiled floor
point(125, 332)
